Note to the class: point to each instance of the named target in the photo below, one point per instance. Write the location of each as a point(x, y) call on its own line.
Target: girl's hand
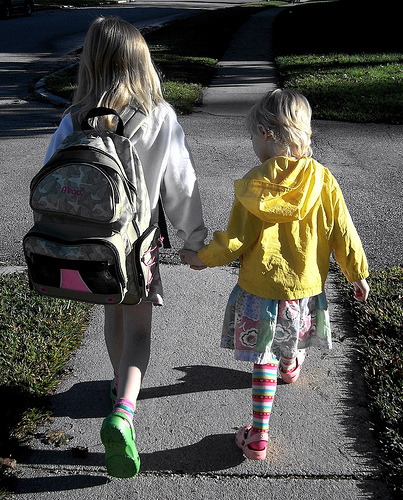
point(191, 258)
point(361, 290)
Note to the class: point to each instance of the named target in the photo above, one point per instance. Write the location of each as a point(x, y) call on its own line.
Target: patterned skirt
point(259, 329)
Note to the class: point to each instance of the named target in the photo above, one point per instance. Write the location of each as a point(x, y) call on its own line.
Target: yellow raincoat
point(287, 217)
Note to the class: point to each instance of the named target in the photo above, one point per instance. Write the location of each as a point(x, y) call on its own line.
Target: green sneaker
point(121, 457)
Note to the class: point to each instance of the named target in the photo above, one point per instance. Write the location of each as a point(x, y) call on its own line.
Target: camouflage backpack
point(92, 239)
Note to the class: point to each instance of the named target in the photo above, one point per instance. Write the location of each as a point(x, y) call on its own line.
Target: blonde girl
point(116, 71)
point(287, 218)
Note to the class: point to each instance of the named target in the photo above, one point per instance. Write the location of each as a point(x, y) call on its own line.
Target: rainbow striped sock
point(264, 384)
point(288, 364)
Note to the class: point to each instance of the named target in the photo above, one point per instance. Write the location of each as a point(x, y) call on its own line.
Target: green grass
point(37, 336)
point(185, 53)
point(63, 83)
point(349, 75)
point(378, 324)
point(350, 87)
point(74, 3)
point(346, 70)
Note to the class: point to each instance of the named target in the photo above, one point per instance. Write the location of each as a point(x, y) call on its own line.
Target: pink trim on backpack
point(71, 280)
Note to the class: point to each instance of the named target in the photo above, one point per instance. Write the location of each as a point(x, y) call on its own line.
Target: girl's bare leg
point(128, 340)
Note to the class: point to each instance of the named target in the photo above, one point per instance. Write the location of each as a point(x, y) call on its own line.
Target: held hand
point(191, 258)
point(361, 290)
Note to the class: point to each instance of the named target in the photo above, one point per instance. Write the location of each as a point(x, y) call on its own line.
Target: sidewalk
point(194, 394)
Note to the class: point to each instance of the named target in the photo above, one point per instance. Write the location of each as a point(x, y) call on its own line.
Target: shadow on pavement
point(74, 402)
point(199, 378)
point(211, 454)
point(59, 483)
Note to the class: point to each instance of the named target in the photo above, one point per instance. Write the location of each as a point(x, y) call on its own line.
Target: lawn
point(184, 56)
point(350, 69)
point(348, 77)
point(37, 337)
point(378, 324)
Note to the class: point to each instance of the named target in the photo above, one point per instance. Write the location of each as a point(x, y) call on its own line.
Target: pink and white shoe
point(243, 440)
point(292, 376)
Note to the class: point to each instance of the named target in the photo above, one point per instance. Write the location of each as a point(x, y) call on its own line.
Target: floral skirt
point(259, 329)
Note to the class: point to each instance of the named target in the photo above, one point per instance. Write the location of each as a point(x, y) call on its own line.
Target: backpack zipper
point(60, 241)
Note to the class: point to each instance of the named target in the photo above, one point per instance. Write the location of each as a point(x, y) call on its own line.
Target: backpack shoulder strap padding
point(102, 111)
point(131, 119)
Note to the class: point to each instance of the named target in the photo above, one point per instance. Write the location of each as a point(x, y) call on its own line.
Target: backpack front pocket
point(82, 191)
point(88, 270)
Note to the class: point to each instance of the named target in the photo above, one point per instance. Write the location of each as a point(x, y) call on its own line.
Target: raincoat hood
point(281, 189)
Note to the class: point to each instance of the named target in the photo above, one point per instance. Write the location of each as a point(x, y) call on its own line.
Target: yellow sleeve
point(347, 246)
point(243, 229)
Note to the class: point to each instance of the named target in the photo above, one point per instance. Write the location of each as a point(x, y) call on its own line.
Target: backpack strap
point(102, 111)
point(128, 123)
point(163, 224)
point(133, 119)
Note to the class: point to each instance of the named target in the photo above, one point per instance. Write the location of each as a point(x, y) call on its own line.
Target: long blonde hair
point(116, 70)
point(286, 115)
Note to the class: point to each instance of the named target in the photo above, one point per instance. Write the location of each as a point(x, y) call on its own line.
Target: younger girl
point(287, 217)
point(116, 71)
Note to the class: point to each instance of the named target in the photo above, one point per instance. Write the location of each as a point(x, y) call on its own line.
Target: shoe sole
point(121, 459)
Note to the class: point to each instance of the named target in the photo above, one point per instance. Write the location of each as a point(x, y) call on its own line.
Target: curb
point(12, 270)
point(43, 94)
